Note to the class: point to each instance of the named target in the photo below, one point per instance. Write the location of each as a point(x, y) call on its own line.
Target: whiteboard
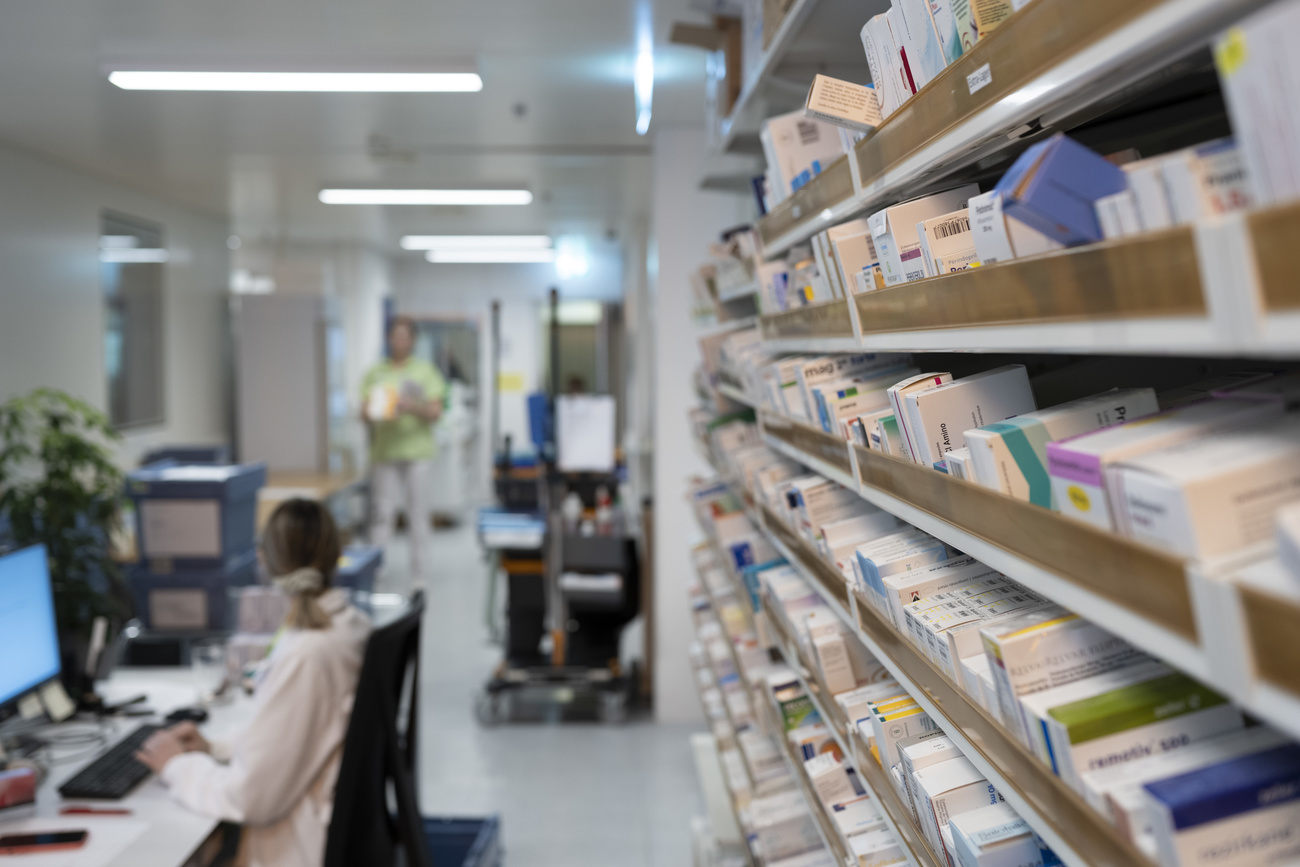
point(584, 433)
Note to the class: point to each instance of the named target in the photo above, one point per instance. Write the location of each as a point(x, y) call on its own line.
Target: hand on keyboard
point(159, 749)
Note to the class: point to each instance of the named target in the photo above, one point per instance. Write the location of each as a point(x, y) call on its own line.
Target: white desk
point(173, 833)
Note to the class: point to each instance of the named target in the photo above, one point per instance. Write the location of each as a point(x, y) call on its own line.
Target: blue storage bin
point(190, 600)
point(464, 842)
point(358, 567)
point(195, 516)
point(187, 455)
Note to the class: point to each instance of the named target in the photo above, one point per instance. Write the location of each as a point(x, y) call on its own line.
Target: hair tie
point(301, 582)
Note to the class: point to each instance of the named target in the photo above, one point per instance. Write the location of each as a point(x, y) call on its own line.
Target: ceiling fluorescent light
point(132, 255)
point(490, 257)
point(296, 82)
point(425, 197)
point(476, 242)
point(643, 68)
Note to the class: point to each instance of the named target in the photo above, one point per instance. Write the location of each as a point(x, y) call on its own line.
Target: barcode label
point(980, 78)
point(948, 228)
point(808, 132)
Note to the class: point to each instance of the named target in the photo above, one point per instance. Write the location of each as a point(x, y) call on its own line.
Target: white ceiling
point(261, 158)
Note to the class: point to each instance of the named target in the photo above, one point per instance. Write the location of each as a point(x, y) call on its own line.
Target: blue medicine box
point(195, 516)
point(189, 600)
point(1054, 186)
point(358, 567)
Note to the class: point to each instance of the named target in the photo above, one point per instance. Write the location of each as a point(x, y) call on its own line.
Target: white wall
point(685, 220)
point(52, 309)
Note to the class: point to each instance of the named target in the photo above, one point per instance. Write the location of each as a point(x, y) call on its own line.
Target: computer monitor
point(29, 639)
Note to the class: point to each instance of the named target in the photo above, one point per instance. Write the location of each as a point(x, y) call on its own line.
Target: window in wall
point(131, 256)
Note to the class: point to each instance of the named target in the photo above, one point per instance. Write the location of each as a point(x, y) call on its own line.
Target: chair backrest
point(369, 827)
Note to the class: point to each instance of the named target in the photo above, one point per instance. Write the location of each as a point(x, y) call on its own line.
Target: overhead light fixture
point(132, 255)
point(361, 196)
point(476, 242)
point(643, 68)
point(487, 256)
point(417, 76)
point(571, 257)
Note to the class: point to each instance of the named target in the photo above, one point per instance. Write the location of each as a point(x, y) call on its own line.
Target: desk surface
point(173, 833)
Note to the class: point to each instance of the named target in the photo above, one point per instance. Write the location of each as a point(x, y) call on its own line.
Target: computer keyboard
point(114, 774)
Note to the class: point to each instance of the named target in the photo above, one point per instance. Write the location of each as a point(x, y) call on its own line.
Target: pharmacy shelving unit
point(1078, 834)
point(1229, 623)
point(1050, 66)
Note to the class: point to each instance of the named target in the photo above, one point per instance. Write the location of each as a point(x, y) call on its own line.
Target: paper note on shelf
point(843, 103)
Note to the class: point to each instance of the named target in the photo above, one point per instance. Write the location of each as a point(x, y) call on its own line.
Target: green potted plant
point(60, 486)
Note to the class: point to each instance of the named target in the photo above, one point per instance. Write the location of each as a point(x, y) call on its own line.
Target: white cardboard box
point(1084, 484)
point(898, 394)
point(949, 789)
point(1011, 456)
point(938, 418)
point(1213, 496)
point(1046, 648)
point(894, 231)
point(994, 836)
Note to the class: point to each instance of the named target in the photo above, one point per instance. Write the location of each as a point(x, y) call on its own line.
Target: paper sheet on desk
point(109, 837)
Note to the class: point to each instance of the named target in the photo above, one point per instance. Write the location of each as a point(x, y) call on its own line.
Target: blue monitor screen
point(29, 641)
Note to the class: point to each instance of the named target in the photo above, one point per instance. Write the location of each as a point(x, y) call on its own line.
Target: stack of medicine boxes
point(196, 532)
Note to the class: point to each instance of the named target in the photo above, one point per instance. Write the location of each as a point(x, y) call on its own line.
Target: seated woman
point(277, 778)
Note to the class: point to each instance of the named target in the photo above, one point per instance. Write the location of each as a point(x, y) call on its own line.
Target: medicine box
point(895, 235)
point(1118, 792)
point(1045, 648)
point(1082, 467)
point(1011, 456)
point(903, 589)
point(199, 516)
point(898, 394)
point(877, 849)
point(1053, 187)
point(922, 753)
point(937, 419)
point(795, 144)
point(1244, 811)
point(859, 816)
point(925, 57)
point(947, 244)
point(1213, 496)
point(885, 63)
point(1035, 705)
point(994, 836)
point(946, 790)
point(191, 600)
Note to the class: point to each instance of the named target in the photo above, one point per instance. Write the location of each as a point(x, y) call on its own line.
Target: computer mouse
point(188, 714)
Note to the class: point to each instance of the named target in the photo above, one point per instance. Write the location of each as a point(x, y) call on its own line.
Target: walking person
point(402, 399)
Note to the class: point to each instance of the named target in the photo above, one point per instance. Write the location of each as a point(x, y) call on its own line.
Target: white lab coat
point(279, 780)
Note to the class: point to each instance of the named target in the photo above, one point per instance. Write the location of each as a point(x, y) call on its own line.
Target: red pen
point(94, 811)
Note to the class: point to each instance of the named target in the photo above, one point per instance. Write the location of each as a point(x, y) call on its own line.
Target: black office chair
point(378, 753)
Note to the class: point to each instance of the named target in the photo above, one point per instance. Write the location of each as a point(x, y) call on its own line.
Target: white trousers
point(397, 483)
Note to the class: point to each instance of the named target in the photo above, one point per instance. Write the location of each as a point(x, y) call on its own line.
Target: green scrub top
point(407, 437)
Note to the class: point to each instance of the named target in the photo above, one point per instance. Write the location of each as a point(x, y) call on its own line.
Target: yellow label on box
point(1231, 52)
point(1079, 498)
point(507, 382)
